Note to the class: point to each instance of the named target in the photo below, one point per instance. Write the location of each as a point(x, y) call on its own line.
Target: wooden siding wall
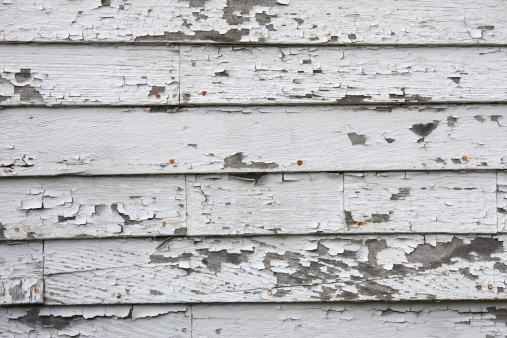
point(283, 168)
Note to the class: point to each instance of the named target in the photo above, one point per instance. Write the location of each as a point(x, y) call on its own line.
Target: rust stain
point(270, 293)
point(157, 96)
point(203, 93)
point(20, 259)
point(299, 162)
point(36, 290)
point(171, 161)
point(51, 293)
point(164, 224)
point(193, 64)
point(464, 158)
point(490, 286)
point(118, 295)
point(16, 229)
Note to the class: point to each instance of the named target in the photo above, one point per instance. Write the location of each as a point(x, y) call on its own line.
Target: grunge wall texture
point(287, 168)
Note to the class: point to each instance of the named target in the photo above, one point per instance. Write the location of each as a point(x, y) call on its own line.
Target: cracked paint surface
point(256, 21)
point(121, 141)
point(92, 207)
point(87, 75)
point(268, 269)
point(344, 75)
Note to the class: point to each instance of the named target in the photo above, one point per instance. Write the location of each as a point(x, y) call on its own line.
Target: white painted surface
point(421, 202)
point(275, 269)
point(470, 319)
point(123, 141)
point(283, 21)
point(88, 75)
point(295, 75)
point(67, 207)
point(94, 321)
point(21, 273)
point(265, 204)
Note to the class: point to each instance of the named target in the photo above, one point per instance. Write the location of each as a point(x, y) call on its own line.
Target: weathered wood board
point(21, 273)
point(100, 141)
point(92, 207)
point(502, 200)
point(449, 319)
point(295, 75)
point(265, 204)
point(275, 269)
point(260, 21)
point(96, 321)
point(88, 75)
point(420, 202)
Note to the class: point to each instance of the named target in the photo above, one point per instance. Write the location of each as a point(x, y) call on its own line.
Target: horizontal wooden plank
point(21, 272)
point(449, 319)
point(420, 202)
point(265, 204)
point(88, 75)
point(271, 21)
point(502, 200)
point(249, 204)
point(124, 141)
point(253, 75)
point(21, 291)
point(275, 269)
point(96, 321)
point(92, 207)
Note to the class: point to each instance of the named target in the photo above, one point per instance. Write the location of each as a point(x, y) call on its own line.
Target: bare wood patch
point(92, 207)
point(502, 201)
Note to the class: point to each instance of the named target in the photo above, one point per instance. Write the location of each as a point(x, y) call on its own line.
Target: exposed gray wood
point(276, 269)
point(265, 204)
point(283, 21)
point(451, 319)
point(21, 270)
point(251, 139)
point(88, 75)
point(21, 291)
point(92, 207)
point(254, 75)
point(502, 200)
point(420, 202)
point(96, 321)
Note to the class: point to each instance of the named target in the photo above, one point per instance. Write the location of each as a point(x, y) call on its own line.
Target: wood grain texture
point(502, 200)
point(88, 75)
point(21, 291)
point(69, 207)
point(448, 319)
point(420, 202)
point(265, 204)
point(259, 21)
point(96, 321)
point(21, 273)
point(276, 269)
point(294, 75)
point(101, 141)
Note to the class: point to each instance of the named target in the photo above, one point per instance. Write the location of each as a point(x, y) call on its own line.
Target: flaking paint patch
point(236, 161)
point(356, 138)
point(424, 129)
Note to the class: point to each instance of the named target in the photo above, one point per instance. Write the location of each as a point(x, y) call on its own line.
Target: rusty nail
point(490, 286)
point(270, 293)
point(16, 229)
point(478, 223)
point(20, 259)
point(12, 166)
point(118, 295)
point(36, 290)
point(157, 96)
point(299, 162)
point(51, 293)
point(164, 224)
point(171, 161)
point(464, 158)
point(203, 93)
point(193, 64)
point(360, 223)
